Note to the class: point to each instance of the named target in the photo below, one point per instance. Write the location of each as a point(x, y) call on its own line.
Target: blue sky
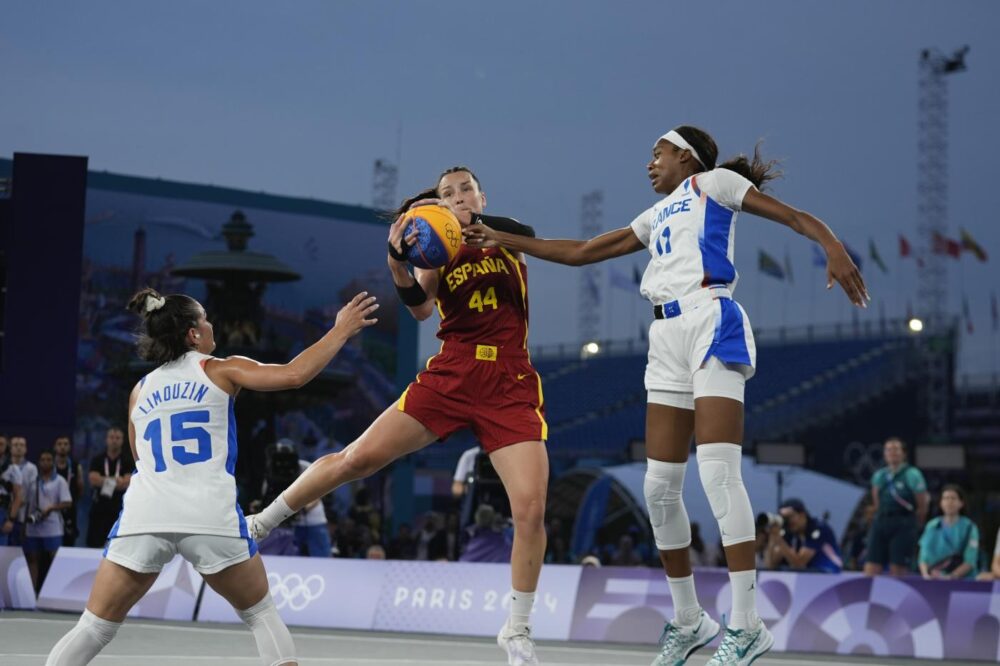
point(546, 101)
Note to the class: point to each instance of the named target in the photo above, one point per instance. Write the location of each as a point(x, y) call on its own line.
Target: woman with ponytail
point(701, 352)
point(182, 498)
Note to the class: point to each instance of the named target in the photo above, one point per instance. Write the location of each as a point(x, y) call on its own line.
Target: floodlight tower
point(932, 227)
point(384, 181)
point(589, 306)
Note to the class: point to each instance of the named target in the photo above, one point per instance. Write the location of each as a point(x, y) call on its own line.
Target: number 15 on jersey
point(180, 431)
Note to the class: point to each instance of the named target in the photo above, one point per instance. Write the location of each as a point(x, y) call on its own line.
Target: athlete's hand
point(841, 268)
point(480, 235)
point(355, 315)
point(398, 236)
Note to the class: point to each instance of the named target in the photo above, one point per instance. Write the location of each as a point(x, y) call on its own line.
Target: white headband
point(673, 137)
point(154, 303)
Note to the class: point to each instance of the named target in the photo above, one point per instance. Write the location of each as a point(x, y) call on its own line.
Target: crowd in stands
point(899, 529)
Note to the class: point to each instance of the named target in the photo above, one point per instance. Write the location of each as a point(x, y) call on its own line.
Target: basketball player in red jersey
point(481, 379)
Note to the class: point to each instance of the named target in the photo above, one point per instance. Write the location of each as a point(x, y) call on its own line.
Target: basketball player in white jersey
point(701, 352)
point(182, 498)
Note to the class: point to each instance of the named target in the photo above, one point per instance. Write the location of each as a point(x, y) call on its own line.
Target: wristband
point(396, 254)
point(413, 295)
point(507, 224)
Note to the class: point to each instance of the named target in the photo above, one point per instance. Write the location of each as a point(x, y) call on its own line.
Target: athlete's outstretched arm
point(839, 266)
point(570, 252)
point(236, 372)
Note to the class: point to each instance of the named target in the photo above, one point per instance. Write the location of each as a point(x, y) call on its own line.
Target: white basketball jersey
point(690, 234)
point(185, 440)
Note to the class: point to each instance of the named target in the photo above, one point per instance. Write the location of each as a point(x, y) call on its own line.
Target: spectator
point(29, 474)
point(995, 569)
point(949, 547)
point(72, 471)
point(804, 543)
point(4, 450)
point(591, 561)
point(375, 552)
point(363, 512)
point(451, 537)
point(312, 536)
point(11, 498)
point(702, 554)
point(47, 499)
point(759, 546)
point(463, 471)
point(404, 545)
point(855, 545)
point(110, 474)
point(487, 541)
point(625, 555)
point(432, 544)
point(899, 493)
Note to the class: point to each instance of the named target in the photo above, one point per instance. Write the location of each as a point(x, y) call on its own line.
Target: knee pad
point(719, 469)
point(274, 642)
point(663, 486)
point(83, 642)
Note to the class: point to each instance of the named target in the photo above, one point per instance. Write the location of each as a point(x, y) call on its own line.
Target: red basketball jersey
point(482, 298)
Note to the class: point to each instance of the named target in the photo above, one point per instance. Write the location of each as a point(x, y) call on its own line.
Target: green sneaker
point(677, 643)
point(741, 647)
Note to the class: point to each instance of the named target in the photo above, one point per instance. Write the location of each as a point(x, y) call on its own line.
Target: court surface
point(26, 637)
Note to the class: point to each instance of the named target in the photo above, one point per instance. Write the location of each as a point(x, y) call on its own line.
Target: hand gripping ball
point(439, 236)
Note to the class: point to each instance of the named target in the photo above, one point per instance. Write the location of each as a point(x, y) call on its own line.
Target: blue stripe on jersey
point(713, 240)
point(231, 456)
point(730, 343)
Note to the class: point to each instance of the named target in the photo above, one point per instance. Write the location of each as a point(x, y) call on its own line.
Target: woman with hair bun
point(182, 499)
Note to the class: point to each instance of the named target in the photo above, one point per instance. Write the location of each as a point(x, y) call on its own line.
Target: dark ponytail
point(163, 335)
point(757, 171)
point(431, 192)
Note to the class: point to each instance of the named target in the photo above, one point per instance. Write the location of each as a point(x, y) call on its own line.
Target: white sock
point(276, 513)
point(744, 584)
point(520, 609)
point(687, 610)
point(83, 641)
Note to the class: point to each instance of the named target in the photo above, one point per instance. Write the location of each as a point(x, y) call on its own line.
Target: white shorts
point(681, 346)
point(208, 553)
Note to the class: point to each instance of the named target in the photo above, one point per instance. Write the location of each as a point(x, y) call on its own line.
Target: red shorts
point(495, 392)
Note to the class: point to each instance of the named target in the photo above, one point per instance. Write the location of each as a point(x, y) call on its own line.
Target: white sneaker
point(677, 643)
point(519, 646)
point(256, 529)
point(740, 647)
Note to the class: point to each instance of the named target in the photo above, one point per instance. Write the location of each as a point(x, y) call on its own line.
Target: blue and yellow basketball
point(439, 236)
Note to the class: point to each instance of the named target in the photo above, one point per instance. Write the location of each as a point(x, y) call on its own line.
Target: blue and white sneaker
point(677, 643)
point(741, 647)
point(518, 645)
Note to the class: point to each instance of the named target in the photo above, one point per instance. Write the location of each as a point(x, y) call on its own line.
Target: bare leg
point(32, 559)
point(668, 439)
point(245, 587)
point(872, 569)
point(393, 435)
point(524, 471)
point(116, 589)
point(898, 570)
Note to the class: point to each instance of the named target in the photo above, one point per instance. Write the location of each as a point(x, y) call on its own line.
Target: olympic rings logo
point(295, 591)
point(453, 237)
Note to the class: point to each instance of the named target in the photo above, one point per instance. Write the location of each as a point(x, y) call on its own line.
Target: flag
point(995, 311)
point(969, 243)
point(944, 245)
point(875, 257)
point(855, 257)
point(636, 275)
point(969, 328)
point(788, 266)
point(904, 247)
point(819, 256)
point(768, 265)
point(619, 280)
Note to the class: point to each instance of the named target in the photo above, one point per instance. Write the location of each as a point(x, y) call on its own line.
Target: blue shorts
point(35, 544)
point(313, 540)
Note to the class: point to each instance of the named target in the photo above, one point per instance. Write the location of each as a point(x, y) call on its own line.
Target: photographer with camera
point(797, 540)
point(11, 497)
point(309, 535)
point(47, 498)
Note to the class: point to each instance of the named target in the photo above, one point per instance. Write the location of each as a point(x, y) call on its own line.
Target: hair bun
point(153, 303)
